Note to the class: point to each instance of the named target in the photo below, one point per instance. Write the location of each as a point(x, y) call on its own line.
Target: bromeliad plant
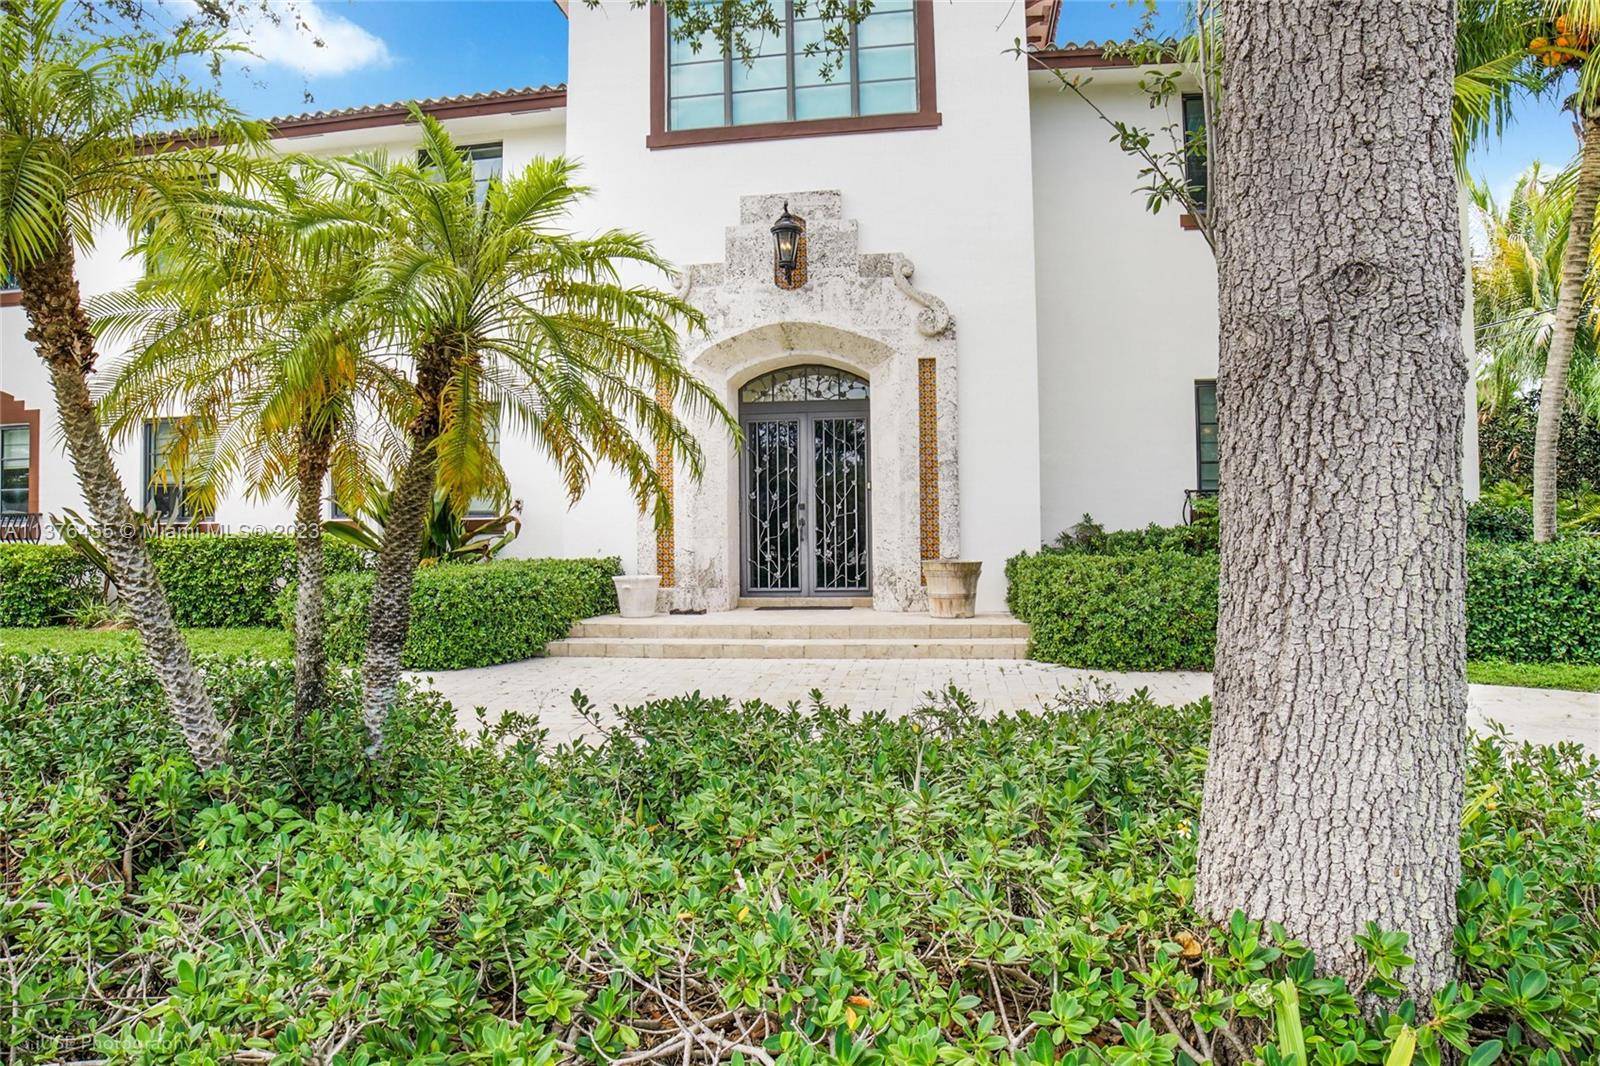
point(447, 536)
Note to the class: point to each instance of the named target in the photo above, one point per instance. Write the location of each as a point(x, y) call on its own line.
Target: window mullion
point(788, 52)
point(853, 71)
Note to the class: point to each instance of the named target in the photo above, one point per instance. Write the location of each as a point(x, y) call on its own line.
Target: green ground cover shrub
point(787, 885)
point(211, 579)
point(1143, 611)
point(474, 614)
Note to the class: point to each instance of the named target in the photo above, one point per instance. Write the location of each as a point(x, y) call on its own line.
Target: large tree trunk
point(390, 619)
point(310, 616)
point(59, 330)
point(1333, 793)
point(1569, 310)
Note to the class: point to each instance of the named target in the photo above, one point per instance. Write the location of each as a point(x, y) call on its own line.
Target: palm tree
point(1559, 40)
point(1514, 292)
point(81, 148)
point(262, 341)
point(499, 311)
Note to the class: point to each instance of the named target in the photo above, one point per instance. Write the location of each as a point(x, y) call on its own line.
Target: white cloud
point(312, 40)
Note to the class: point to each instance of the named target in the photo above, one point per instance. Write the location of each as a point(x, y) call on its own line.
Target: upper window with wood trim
point(1194, 148)
point(794, 82)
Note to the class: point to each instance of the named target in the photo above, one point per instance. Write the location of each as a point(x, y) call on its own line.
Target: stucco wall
point(1127, 318)
point(955, 200)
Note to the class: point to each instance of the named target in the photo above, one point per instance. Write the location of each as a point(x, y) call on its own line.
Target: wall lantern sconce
point(788, 246)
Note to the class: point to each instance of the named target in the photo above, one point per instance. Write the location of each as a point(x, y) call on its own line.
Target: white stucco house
point(987, 337)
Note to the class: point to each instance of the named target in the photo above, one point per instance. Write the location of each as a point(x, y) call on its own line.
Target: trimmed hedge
point(211, 580)
point(1146, 611)
point(234, 580)
point(41, 583)
point(474, 614)
point(1526, 603)
point(1534, 603)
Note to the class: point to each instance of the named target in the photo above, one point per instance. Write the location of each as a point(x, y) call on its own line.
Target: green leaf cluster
point(786, 885)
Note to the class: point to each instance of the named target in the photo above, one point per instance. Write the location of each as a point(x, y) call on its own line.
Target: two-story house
point(986, 334)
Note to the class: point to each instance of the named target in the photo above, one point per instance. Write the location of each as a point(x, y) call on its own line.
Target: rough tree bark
point(390, 620)
point(1333, 792)
point(1569, 309)
point(59, 330)
point(310, 618)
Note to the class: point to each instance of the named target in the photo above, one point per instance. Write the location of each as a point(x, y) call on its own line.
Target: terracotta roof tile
point(501, 101)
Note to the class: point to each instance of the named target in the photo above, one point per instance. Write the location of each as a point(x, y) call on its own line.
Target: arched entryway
point(804, 510)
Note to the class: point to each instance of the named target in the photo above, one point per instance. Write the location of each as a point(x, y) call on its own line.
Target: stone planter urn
point(952, 587)
point(636, 594)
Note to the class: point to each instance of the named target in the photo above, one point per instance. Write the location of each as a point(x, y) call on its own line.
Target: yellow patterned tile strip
point(666, 550)
point(928, 455)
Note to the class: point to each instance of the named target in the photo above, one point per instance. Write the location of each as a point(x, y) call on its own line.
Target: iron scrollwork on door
point(805, 520)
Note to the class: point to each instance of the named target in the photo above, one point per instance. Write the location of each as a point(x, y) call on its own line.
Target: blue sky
point(382, 50)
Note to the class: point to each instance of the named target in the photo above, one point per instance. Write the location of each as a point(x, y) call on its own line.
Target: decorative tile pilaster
point(928, 455)
point(666, 545)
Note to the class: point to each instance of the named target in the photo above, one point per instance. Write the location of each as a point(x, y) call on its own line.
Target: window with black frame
point(164, 494)
point(1205, 430)
point(16, 462)
point(1194, 148)
point(795, 74)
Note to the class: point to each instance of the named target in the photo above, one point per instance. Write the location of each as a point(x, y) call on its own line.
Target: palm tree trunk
point(390, 619)
point(1569, 309)
point(310, 617)
point(59, 330)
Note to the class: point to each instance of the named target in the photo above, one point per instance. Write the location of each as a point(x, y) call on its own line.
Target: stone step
point(754, 603)
point(777, 628)
point(804, 648)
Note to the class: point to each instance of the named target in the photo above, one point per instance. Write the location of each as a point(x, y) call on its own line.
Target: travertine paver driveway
point(545, 686)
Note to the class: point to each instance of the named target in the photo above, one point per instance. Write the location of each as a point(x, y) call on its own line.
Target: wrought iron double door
point(804, 513)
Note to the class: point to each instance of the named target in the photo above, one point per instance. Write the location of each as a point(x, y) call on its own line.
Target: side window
point(1205, 433)
point(486, 160)
point(484, 506)
point(16, 460)
point(1194, 147)
point(164, 495)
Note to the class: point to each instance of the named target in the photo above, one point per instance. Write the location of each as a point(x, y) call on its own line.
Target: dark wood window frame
point(1199, 425)
point(13, 412)
point(925, 117)
point(184, 513)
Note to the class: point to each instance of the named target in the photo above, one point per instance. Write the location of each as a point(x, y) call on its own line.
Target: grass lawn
point(272, 643)
point(275, 643)
point(1572, 676)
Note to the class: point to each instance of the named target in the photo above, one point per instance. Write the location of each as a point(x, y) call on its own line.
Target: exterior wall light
point(786, 243)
